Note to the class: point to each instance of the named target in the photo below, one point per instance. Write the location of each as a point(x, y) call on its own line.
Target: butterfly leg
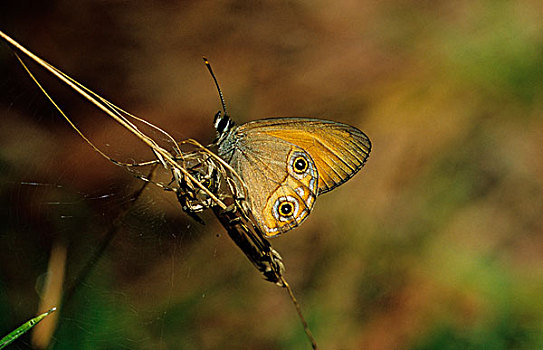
point(192, 198)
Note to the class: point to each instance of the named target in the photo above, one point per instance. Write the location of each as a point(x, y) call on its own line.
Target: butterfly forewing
point(339, 150)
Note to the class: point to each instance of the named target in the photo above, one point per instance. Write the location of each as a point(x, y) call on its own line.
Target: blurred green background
point(436, 244)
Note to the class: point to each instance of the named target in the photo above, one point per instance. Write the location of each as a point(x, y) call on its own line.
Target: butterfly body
point(286, 163)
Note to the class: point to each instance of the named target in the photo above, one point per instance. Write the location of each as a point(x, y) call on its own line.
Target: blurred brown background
point(436, 244)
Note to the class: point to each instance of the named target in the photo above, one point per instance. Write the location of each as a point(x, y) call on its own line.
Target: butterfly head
point(223, 125)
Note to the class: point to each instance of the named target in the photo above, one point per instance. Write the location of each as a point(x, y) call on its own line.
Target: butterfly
point(285, 163)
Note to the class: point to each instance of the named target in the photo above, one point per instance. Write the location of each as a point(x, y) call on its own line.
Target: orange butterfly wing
point(338, 150)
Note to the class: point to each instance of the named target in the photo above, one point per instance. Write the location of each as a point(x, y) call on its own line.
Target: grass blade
point(8, 339)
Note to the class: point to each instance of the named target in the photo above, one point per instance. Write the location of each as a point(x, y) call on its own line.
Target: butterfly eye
point(300, 165)
point(285, 209)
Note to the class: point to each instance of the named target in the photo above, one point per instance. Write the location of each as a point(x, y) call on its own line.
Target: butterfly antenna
point(223, 123)
point(208, 65)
